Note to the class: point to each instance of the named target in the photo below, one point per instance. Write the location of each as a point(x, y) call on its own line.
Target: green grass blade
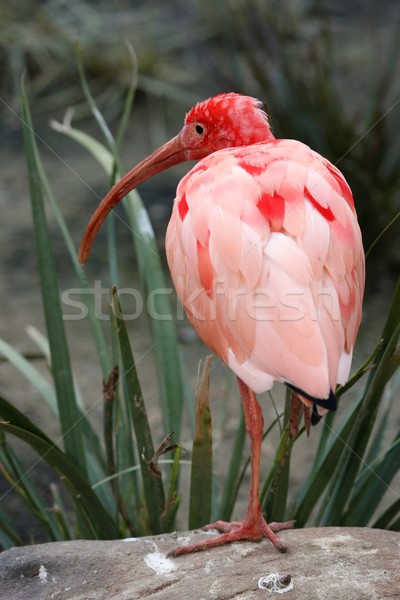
point(330, 418)
point(173, 498)
point(60, 512)
point(275, 489)
point(169, 364)
point(375, 449)
point(95, 457)
point(125, 452)
point(386, 518)
point(63, 381)
point(112, 144)
point(62, 523)
point(232, 481)
point(112, 250)
point(20, 481)
point(321, 477)
point(352, 457)
point(364, 368)
point(130, 96)
point(8, 536)
point(111, 237)
point(395, 525)
point(358, 444)
point(325, 439)
point(109, 394)
point(376, 484)
point(84, 285)
point(169, 368)
point(91, 440)
point(126, 455)
point(152, 483)
point(30, 373)
point(201, 473)
point(43, 344)
point(101, 122)
point(276, 497)
point(97, 149)
point(85, 499)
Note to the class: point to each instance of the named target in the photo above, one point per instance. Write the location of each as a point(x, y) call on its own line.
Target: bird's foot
point(238, 531)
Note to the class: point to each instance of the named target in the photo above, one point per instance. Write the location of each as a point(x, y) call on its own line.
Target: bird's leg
point(254, 421)
point(253, 527)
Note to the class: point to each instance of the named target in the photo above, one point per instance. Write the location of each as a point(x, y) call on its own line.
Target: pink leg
point(253, 527)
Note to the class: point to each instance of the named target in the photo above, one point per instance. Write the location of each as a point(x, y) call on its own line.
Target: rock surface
point(322, 564)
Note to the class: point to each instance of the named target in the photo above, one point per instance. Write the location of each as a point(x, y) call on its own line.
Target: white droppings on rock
point(183, 540)
point(243, 549)
point(332, 542)
point(42, 574)
point(276, 583)
point(159, 563)
point(212, 532)
point(218, 563)
point(215, 589)
point(131, 539)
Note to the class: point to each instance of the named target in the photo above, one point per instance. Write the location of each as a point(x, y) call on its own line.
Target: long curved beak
point(171, 153)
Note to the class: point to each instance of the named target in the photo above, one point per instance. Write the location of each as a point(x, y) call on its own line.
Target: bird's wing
point(266, 256)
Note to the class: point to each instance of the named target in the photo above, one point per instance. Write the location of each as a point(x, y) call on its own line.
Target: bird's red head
point(224, 121)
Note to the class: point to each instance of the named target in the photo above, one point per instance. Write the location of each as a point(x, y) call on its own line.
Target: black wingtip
point(329, 403)
point(315, 417)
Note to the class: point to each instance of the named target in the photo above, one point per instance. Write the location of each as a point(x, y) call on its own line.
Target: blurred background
point(328, 70)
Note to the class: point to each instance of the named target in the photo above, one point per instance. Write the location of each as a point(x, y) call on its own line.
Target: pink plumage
point(266, 256)
point(267, 260)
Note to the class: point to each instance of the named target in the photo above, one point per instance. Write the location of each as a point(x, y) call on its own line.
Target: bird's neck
point(258, 131)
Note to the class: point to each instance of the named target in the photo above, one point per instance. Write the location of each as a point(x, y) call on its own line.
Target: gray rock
point(322, 564)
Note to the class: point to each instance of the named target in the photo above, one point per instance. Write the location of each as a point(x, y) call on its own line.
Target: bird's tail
point(319, 405)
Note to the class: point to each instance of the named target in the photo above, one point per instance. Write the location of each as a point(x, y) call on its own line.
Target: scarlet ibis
point(266, 256)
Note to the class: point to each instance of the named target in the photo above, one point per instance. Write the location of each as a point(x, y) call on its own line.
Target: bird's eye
point(199, 129)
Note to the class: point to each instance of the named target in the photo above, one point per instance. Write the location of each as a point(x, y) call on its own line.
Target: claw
point(235, 532)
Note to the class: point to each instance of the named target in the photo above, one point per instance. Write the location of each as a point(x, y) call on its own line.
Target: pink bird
point(266, 256)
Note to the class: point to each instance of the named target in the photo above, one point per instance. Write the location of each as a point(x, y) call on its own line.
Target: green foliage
point(71, 425)
point(306, 64)
point(114, 483)
point(152, 482)
point(201, 475)
point(107, 501)
point(41, 37)
point(325, 79)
